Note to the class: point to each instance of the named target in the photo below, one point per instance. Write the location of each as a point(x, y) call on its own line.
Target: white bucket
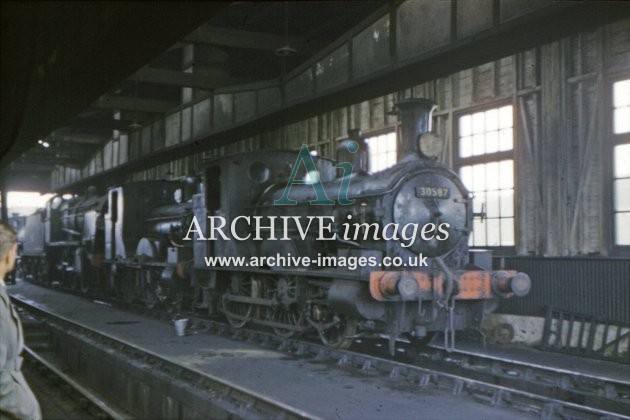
point(180, 326)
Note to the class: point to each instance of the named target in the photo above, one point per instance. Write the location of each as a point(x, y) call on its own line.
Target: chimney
point(415, 117)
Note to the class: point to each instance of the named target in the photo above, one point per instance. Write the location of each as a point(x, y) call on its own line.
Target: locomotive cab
point(146, 257)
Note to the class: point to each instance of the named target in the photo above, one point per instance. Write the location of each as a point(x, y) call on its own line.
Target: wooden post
point(5, 210)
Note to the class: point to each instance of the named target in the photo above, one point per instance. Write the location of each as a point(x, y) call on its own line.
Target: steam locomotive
point(160, 242)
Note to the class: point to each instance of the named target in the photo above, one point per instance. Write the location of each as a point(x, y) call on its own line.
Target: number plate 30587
point(432, 192)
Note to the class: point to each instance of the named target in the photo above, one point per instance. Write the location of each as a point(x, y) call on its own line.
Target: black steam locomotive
point(389, 254)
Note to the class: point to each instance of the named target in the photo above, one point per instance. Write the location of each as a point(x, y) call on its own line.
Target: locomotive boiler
point(438, 292)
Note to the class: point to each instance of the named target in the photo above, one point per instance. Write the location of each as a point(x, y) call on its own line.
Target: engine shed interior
point(499, 128)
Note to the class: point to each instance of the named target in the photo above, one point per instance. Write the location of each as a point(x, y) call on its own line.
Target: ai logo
point(305, 158)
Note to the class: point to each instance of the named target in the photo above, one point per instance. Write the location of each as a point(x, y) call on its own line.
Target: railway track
point(217, 398)
point(608, 394)
point(527, 387)
point(72, 400)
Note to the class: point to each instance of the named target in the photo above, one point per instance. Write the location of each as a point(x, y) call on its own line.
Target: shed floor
point(315, 387)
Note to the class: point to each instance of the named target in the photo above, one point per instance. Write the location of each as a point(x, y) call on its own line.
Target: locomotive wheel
point(287, 311)
point(150, 298)
point(127, 292)
point(238, 313)
point(83, 272)
point(340, 335)
point(152, 293)
point(69, 279)
point(84, 285)
point(290, 316)
point(112, 280)
point(126, 282)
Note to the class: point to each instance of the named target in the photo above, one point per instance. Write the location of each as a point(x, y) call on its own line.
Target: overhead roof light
point(43, 143)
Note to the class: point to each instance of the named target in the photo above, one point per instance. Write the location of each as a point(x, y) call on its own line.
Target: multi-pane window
point(382, 151)
point(621, 161)
point(484, 147)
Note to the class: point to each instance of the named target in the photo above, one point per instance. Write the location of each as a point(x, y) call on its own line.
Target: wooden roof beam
point(179, 78)
point(235, 38)
point(78, 138)
point(134, 104)
point(31, 167)
point(98, 124)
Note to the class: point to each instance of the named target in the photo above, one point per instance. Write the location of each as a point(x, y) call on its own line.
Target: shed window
point(621, 162)
point(485, 160)
point(382, 151)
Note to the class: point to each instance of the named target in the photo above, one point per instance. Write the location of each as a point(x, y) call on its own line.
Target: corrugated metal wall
point(593, 286)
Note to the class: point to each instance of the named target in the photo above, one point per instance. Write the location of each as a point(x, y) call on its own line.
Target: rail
point(223, 398)
point(533, 388)
point(498, 381)
point(96, 404)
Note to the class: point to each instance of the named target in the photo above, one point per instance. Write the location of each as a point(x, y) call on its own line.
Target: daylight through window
point(382, 151)
point(621, 161)
point(486, 165)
